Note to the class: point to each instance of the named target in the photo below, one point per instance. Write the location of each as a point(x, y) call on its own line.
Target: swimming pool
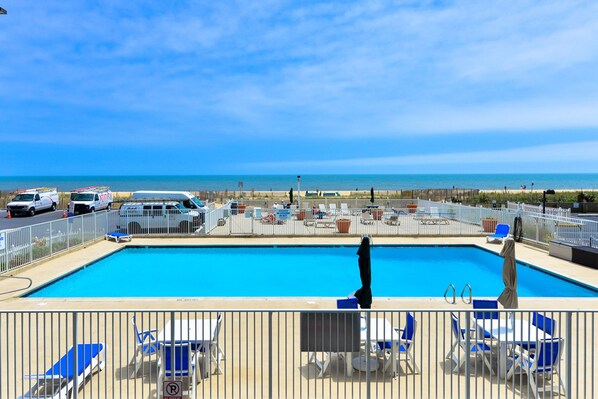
point(292, 271)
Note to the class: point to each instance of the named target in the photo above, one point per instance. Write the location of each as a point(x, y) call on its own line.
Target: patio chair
point(543, 363)
point(366, 218)
point(59, 381)
point(461, 352)
point(345, 209)
point(405, 346)
point(323, 211)
point(501, 232)
point(147, 345)
point(117, 236)
point(177, 360)
point(392, 220)
point(332, 208)
point(215, 350)
point(309, 219)
point(542, 322)
point(485, 315)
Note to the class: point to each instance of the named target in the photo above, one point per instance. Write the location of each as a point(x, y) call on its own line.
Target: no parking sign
point(173, 389)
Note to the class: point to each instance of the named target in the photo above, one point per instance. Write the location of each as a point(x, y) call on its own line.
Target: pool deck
point(54, 268)
point(240, 380)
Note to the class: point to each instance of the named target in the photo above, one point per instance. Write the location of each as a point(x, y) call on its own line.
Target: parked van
point(90, 199)
point(33, 200)
point(188, 200)
point(154, 216)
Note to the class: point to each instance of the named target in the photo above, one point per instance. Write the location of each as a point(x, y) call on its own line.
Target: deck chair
point(405, 345)
point(177, 360)
point(501, 232)
point(543, 363)
point(345, 209)
point(542, 322)
point(215, 350)
point(332, 208)
point(345, 303)
point(59, 381)
point(392, 220)
point(322, 208)
point(309, 219)
point(147, 345)
point(366, 218)
point(461, 352)
point(490, 304)
point(117, 236)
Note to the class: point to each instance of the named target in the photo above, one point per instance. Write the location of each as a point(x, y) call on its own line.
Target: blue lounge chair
point(476, 347)
point(543, 363)
point(347, 303)
point(177, 361)
point(59, 381)
point(147, 345)
point(501, 232)
point(116, 236)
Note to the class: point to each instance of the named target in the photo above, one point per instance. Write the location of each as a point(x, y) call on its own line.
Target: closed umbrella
point(291, 195)
point(364, 294)
point(509, 298)
point(372, 195)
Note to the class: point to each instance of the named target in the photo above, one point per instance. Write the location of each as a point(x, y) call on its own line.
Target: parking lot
point(25, 220)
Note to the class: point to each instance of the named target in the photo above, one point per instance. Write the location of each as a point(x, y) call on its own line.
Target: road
point(22, 221)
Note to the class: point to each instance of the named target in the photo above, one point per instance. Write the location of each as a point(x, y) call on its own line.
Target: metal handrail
point(470, 294)
point(18, 289)
point(449, 287)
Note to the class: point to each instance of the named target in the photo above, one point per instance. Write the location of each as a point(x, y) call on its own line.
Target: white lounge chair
point(366, 218)
point(59, 381)
point(332, 209)
point(345, 209)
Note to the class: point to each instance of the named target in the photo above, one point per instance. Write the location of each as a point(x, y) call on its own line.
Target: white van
point(188, 200)
point(90, 199)
point(33, 200)
point(156, 217)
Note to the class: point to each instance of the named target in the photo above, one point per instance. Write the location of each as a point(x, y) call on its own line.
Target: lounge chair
point(405, 345)
point(309, 219)
point(476, 347)
point(177, 361)
point(433, 218)
point(147, 345)
point(392, 220)
point(59, 381)
point(345, 209)
point(502, 232)
point(270, 218)
point(366, 218)
point(116, 236)
point(544, 363)
point(332, 208)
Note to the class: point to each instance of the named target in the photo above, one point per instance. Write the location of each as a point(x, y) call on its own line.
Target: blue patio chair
point(544, 363)
point(147, 345)
point(177, 360)
point(542, 322)
point(59, 381)
point(485, 315)
point(405, 345)
point(461, 352)
point(501, 232)
point(347, 303)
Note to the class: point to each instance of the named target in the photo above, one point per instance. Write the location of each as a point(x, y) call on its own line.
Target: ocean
point(587, 181)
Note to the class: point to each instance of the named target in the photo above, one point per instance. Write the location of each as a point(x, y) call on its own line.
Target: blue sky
point(268, 87)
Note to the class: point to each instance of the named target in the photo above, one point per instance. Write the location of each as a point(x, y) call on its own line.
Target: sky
point(298, 87)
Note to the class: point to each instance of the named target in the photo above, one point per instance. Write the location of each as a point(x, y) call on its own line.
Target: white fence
point(561, 212)
point(300, 353)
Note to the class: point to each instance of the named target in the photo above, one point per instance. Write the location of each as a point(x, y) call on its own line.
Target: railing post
point(74, 391)
point(270, 372)
point(467, 365)
point(368, 378)
point(568, 362)
point(51, 252)
point(30, 245)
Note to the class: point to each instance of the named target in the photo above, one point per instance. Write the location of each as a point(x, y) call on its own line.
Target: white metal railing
point(302, 353)
point(562, 212)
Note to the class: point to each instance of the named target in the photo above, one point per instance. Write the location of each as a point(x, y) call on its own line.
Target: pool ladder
point(451, 288)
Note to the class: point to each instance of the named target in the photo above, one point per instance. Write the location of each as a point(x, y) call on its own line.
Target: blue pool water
point(279, 271)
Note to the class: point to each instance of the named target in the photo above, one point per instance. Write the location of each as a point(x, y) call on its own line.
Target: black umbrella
point(291, 195)
point(364, 294)
point(372, 195)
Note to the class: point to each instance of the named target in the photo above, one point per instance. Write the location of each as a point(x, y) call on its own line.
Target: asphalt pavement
point(23, 220)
